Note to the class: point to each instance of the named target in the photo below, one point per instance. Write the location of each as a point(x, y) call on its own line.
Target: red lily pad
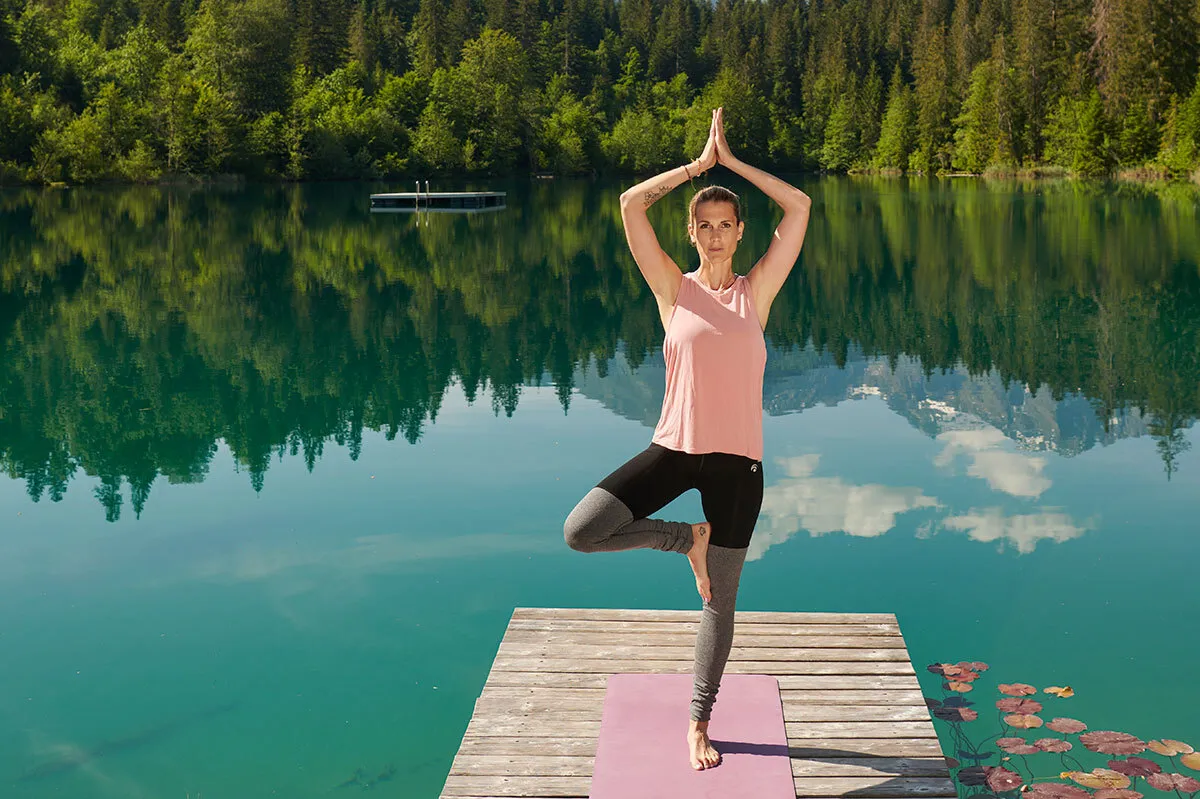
point(1017, 746)
point(1056, 790)
point(1066, 726)
point(1135, 767)
point(1191, 760)
point(1173, 782)
point(1117, 793)
point(952, 763)
point(1053, 745)
point(937, 668)
point(959, 686)
point(1113, 743)
point(1016, 705)
point(957, 701)
point(1023, 721)
point(972, 776)
point(1016, 689)
point(1002, 780)
point(977, 666)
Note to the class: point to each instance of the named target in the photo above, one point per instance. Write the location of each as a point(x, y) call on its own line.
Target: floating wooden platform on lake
point(440, 201)
point(857, 723)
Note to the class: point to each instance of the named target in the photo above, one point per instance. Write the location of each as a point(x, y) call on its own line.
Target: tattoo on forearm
point(654, 194)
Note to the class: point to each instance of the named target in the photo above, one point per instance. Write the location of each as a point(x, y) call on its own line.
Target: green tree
point(977, 128)
point(898, 131)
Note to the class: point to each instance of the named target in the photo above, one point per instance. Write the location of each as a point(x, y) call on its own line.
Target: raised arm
point(769, 274)
point(662, 274)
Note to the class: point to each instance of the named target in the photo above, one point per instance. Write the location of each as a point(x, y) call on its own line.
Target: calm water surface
point(276, 470)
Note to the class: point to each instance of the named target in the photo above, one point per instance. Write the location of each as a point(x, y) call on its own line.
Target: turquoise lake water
point(276, 470)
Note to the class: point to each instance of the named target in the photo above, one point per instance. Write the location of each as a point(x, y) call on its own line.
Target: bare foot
point(698, 557)
point(702, 753)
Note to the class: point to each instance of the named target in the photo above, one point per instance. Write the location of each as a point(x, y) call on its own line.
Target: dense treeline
point(139, 328)
point(141, 89)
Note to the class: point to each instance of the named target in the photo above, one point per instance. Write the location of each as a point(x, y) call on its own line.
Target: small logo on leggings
point(754, 467)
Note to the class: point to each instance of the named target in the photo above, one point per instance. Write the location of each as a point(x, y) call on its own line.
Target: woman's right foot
point(698, 557)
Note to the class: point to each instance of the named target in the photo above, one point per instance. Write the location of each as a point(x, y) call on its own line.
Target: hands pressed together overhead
point(716, 149)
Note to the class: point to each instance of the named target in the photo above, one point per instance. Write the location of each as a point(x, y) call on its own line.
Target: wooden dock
point(455, 201)
point(857, 724)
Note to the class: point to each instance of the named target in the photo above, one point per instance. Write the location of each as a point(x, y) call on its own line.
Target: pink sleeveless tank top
point(715, 355)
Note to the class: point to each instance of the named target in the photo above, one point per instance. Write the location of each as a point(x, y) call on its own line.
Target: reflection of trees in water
point(139, 327)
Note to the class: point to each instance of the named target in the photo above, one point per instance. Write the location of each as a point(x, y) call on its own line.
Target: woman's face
point(716, 230)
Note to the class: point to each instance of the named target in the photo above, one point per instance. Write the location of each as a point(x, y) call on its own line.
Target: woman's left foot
point(703, 755)
point(698, 557)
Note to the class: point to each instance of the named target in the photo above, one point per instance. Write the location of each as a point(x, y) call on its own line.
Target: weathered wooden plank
point(555, 786)
point(463, 785)
point(597, 638)
point(822, 748)
point(870, 766)
point(585, 708)
point(542, 725)
point(690, 626)
point(530, 765)
point(874, 786)
point(521, 746)
point(634, 652)
point(756, 616)
point(811, 748)
point(482, 765)
point(799, 682)
point(684, 665)
point(575, 696)
point(860, 729)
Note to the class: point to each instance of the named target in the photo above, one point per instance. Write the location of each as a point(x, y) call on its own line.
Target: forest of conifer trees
point(144, 90)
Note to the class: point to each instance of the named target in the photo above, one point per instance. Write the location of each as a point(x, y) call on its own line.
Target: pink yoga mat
point(643, 754)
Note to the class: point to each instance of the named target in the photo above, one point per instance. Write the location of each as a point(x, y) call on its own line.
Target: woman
point(709, 436)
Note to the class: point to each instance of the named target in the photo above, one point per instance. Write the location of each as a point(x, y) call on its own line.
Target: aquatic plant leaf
point(1174, 782)
point(1099, 778)
point(1117, 793)
point(1112, 743)
point(1001, 779)
point(1016, 689)
point(972, 776)
point(1066, 726)
point(1056, 790)
point(932, 704)
point(950, 670)
point(955, 714)
point(960, 687)
point(1015, 705)
point(957, 701)
point(965, 755)
point(1135, 767)
point(1191, 760)
point(1170, 748)
point(937, 668)
point(977, 665)
point(1017, 746)
point(952, 763)
point(1023, 721)
point(1053, 745)
point(1062, 693)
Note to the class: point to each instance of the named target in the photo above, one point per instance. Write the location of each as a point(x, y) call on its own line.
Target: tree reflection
point(139, 327)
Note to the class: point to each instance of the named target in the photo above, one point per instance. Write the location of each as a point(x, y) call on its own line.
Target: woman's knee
point(597, 516)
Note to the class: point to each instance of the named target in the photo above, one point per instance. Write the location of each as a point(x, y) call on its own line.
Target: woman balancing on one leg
point(709, 436)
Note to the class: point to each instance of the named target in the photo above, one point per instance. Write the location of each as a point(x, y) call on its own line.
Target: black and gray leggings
point(612, 517)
